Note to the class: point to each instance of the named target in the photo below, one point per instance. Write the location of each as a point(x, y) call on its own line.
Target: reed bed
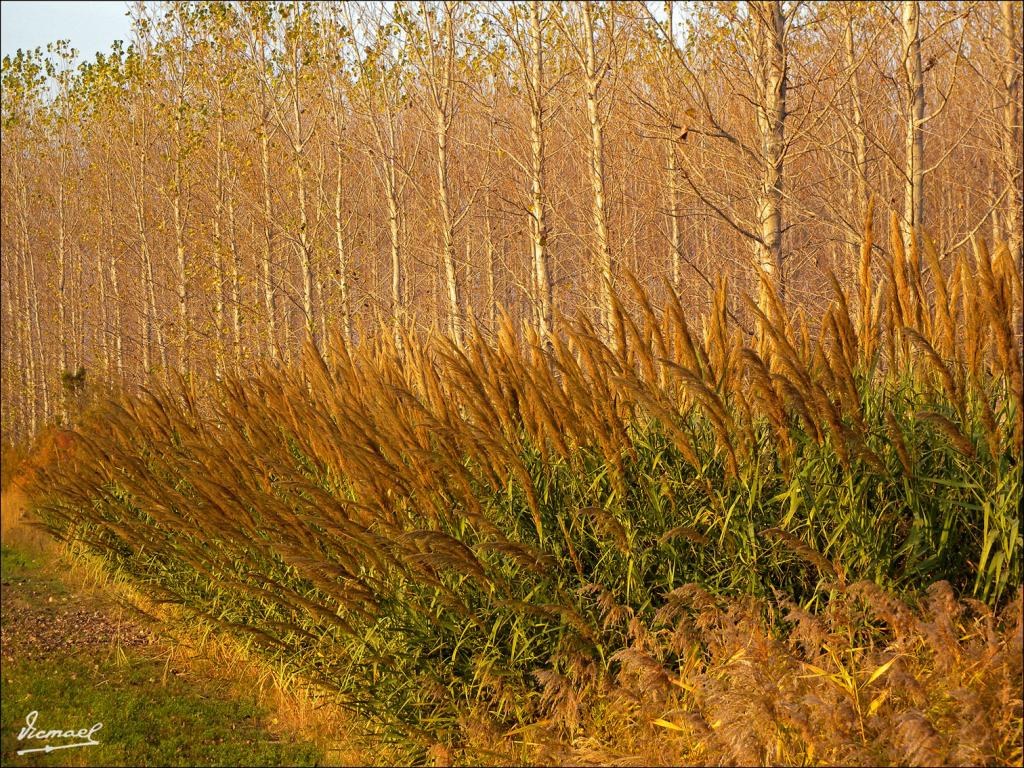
point(500, 541)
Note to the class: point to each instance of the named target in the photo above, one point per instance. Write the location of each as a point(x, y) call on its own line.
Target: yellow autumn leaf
point(878, 701)
point(685, 686)
point(881, 670)
point(818, 671)
point(736, 656)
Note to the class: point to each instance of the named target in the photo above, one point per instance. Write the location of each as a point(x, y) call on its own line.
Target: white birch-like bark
point(913, 169)
point(298, 142)
point(115, 288)
point(858, 139)
point(772, 79)
point(543, 298)
point(594, 73)
point(441, 78)
point(1011, 127)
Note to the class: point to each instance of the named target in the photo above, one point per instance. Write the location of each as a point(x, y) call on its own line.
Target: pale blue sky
point(90, 26)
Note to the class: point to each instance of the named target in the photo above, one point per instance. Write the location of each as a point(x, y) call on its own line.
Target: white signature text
point(31, 732)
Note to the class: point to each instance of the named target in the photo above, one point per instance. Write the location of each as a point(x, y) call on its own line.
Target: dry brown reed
point(416, 524)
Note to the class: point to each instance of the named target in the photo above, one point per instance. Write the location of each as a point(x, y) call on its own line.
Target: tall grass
point(432, 530)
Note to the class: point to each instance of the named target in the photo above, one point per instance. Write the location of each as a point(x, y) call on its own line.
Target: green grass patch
point(15, 563)
point(147, 720)
point(152, 713)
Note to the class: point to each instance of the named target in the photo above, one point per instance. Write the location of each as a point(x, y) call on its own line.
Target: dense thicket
point(241, 175)
point(523, 529)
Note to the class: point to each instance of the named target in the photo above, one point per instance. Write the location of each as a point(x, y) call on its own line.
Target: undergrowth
point(525, 543)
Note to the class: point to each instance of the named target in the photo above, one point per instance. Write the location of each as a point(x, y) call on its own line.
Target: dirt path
point(40, 619)
point(76, 658)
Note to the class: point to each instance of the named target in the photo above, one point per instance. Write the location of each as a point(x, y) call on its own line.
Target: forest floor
point(77, 656)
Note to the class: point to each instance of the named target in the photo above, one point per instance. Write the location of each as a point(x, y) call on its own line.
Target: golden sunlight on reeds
point(792, 543)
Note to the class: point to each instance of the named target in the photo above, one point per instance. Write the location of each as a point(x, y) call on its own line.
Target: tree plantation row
point(239, 177)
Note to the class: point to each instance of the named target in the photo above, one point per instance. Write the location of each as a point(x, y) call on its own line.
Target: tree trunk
point(1012, 129)
point(236, 298)
point(543, 294)
point(78, 307)
point(28, 315)
point(62, 304)
point(305, 246)
point(395, 234)
point(913, 184)
point(771, 122)
point(151, 330)
point(455, 318)
point(492, 295)
point(104, 330)
point(36, 355)
point(672, 167)
point(181, 287)
point(12, 347)
point(218, 236)
point(339, 238)
point(273, 345)
point(29, 308)
point(602, 246)
point(859, 141)
point(114, 287)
